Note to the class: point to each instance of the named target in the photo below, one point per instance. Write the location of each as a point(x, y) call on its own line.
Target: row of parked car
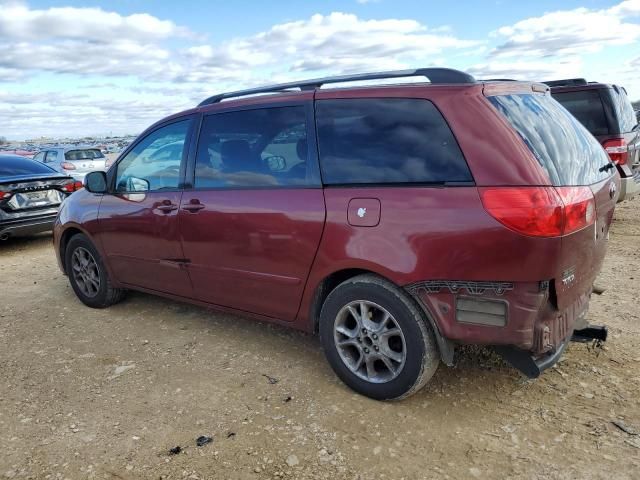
point(397, 221)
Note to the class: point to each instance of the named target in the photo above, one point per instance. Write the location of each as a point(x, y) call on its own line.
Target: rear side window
point(10, 166)
point(586, 106)
point(88, 154)
point(565, 149)
point(264, 147)
point(383, 141)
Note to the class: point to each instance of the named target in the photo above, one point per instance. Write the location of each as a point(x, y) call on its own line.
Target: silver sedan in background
point(74, 161)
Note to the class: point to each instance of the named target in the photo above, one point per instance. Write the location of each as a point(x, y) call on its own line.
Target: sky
point(71, 68)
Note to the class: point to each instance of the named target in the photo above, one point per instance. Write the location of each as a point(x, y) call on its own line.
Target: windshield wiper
point(606, 167)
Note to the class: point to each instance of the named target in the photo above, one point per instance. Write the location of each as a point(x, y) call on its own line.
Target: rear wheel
point(376, 339)
point(87, 274)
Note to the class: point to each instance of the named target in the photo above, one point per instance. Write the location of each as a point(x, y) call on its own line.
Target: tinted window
point(10, 165)
point(154, 162)
point(378, 141)
point(624, 111)
point(254, 148)
point(564, 148)
point(586, 106)
point(88, 154)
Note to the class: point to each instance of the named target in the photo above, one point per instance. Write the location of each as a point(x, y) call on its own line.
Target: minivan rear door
point(574, 161)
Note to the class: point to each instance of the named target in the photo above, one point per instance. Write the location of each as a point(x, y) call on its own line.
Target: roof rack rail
point(435, 75)
point(567, 82)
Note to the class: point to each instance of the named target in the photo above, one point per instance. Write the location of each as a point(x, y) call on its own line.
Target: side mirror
point(96, 182)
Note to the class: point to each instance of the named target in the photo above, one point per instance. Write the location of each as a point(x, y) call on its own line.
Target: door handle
point(193, 206)
point(166, 206)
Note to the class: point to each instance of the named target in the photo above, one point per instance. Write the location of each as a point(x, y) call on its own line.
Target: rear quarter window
point(561, 144)
point(387, 141)
point(624, 111)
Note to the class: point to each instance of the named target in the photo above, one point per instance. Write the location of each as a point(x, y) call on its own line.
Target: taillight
point(540, 211)
point(579, 208)
point(72, 186)
point(4, 195)
point(617, 150)
point(68, 166)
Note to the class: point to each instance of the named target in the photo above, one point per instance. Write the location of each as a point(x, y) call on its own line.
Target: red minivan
point(397, 221)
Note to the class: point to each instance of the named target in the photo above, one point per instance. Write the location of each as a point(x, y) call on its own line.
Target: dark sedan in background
point(30, 195)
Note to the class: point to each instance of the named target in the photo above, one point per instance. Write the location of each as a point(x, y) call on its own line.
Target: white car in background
point(74, 161)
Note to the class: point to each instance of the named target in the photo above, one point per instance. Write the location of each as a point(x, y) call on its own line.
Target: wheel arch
point(332, 280)
point(65, 237)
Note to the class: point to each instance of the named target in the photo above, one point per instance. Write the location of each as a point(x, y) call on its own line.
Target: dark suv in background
point(608, 114)
point(397, 221)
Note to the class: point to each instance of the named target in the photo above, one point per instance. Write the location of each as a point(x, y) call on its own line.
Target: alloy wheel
point(370, 341)
point(86, 273)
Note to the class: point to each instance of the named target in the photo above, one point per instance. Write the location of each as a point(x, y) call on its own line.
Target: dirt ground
point(106, 393)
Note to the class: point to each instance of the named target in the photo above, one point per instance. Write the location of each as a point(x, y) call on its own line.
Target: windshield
point(565, 149)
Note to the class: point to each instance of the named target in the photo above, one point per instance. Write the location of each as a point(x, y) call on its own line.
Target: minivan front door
point(139, 219)
point(252, 223)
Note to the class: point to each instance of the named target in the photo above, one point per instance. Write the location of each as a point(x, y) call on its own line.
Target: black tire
point(105, 294)
point(421, 356)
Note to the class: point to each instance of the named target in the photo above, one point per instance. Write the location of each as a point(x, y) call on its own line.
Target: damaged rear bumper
point(532, 367)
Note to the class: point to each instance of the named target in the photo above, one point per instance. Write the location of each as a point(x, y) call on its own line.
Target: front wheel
point(87, 274)
point(376, 339)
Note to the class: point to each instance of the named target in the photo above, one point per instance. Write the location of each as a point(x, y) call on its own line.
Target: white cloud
point(337, 42)
point(527, 69)
point(566, 32)
point(19, 22)
point(83, 41)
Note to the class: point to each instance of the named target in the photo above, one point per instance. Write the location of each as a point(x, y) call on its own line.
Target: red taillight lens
point(72, 186)
point(68, 166)
point(4, 195)
point(535, 211)
point(579, 208)
point(540, 211)
point(617, 150)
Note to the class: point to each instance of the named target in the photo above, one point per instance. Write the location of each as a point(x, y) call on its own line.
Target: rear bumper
point(532, 367)
point(629, 186)
point(527, 364)
point(520, 315)
point(27, 226)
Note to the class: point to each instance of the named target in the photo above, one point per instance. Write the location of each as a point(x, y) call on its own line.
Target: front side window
point(383, 141)
point(39, 157)
point(154, 163)
point(265, 147)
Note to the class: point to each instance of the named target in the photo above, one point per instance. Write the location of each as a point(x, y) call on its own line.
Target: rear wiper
point(605, 167)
